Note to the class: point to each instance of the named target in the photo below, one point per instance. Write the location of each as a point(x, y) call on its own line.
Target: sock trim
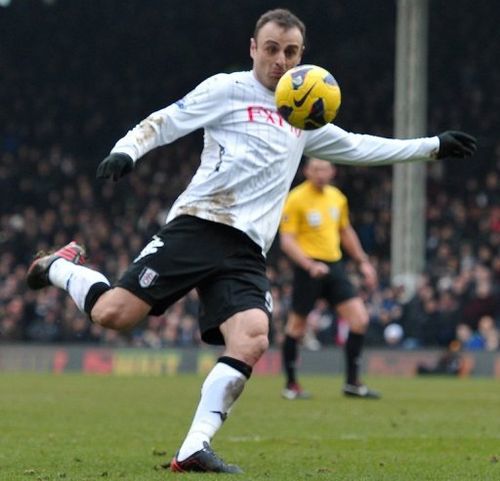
point(240, 366)
point(96, 290)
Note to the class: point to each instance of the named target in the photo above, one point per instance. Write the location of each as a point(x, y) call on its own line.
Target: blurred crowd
point(68, 100)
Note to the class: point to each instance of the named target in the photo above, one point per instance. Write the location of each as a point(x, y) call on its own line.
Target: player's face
point(319, 172)
point(274, 51)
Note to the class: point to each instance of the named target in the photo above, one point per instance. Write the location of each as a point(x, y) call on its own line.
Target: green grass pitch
point(76, 428)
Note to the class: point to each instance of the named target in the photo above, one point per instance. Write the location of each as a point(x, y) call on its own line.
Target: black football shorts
point(221, 262)
point(335, 288)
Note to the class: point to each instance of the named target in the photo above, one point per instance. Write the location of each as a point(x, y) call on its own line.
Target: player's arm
point(342, 147)
point(200, 108)
point(351, 244)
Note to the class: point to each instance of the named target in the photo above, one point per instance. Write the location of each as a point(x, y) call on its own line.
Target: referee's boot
point(360, 391)
point(203, 461)
point(38, 272)
point(294, 391)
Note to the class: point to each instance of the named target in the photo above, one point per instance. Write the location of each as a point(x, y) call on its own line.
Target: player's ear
point(253, 47)
point(301, 53)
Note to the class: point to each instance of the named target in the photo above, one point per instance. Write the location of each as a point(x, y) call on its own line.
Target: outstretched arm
point(454, 143)
point(335, 144)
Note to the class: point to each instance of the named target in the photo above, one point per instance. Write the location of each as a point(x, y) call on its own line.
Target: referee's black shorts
point(221, 262)
point(335, 288)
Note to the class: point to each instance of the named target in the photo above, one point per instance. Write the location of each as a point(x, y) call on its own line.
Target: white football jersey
point(250, 154)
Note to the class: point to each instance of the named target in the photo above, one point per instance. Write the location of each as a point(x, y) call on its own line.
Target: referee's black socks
point(290, 358)
point(353, 347)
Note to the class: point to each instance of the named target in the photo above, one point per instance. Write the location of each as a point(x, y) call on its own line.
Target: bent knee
point(255, 340)
point(246, 335)
point(261, 344)
point(109, 316)
point(249, 348)
point(252, 348)
point(115, 311)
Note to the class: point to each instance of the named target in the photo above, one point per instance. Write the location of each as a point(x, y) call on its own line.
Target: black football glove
point(115, 166)
point(453, 143)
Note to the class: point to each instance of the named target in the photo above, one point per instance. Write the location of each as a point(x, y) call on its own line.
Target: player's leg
point(119, 309)
point(236, 308)
point(355, 313)
point(157, 277)
point(87, 287)
point(246, 338)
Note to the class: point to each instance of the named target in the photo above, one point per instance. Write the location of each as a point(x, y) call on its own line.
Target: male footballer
point(220, 228)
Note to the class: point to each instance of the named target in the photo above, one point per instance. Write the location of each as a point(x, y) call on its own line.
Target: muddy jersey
point(251, 154)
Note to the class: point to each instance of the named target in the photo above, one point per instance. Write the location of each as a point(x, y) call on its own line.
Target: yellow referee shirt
point(315, 219)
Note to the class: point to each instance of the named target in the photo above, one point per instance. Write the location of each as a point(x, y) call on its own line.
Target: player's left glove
point(453, 143)
point(115, 166)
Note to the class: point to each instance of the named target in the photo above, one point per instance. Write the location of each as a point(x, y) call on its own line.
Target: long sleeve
point(335, 144)
point(200, 108)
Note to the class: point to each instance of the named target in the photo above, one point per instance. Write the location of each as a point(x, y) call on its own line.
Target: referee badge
point(314, 218)
point(334, 213)
point(147, 277)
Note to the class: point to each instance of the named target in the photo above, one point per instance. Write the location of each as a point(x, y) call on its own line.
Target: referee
point(314, 227)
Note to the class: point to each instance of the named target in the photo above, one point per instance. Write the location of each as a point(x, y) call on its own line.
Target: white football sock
point(220, 390)
point(76, 280)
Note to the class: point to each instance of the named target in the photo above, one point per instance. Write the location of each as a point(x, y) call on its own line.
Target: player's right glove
point(453, 143)
point(115, 166)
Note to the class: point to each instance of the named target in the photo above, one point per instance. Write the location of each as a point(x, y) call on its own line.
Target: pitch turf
point(77, 428)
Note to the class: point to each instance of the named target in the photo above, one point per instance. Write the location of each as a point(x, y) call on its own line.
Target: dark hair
point(284, 18)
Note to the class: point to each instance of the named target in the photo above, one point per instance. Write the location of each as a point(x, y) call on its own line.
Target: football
point(307, 97)
point(393, 333)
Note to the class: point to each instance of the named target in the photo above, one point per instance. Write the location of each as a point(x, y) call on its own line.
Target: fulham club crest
point(147, 277)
